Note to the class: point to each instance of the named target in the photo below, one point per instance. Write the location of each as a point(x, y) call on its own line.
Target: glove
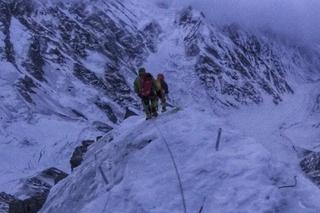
point(159, 94)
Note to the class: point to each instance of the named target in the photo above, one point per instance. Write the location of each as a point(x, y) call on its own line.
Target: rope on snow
point(175, 167)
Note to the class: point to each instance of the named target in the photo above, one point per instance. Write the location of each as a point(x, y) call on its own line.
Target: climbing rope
point(175, 167)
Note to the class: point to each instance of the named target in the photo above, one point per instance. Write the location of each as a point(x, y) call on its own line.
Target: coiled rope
point(175, 167)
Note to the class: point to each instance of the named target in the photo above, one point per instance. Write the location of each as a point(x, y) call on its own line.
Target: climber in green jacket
point(146, 88)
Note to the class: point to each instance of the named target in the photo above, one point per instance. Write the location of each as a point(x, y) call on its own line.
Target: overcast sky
point(298, 19)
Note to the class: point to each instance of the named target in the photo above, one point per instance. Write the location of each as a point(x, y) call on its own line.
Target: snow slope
point(245, 175)
point(37, 144)
point(130, 169)
point(55, 88)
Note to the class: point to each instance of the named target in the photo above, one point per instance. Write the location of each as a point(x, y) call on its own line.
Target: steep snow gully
point(67, 69)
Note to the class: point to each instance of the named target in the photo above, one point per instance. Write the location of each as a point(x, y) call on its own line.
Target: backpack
point(146, 85)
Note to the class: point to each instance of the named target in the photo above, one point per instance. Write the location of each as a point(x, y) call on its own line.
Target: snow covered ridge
point(130, 170)
point(66, 55)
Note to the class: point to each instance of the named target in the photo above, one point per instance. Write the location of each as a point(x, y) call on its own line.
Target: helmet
point(142, 71)
point(160, 76)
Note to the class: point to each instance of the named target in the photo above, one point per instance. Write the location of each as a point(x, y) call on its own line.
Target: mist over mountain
point(296, 20)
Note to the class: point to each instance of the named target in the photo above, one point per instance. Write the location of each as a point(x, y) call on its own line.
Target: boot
point(155, 114)
point(149, 116)
point(164, 109)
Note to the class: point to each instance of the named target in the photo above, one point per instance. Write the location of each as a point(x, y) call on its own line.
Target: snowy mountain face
point(55, 48)
point(62, 79)
point(67, 69)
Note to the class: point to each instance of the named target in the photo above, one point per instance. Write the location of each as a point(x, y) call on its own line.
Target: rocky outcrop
point(102, 127)
point(61, 40)
point(235, 67)
point(36, 189)
point(129, 113)
point(79, 152)
point(5, 200)
point(310, 164)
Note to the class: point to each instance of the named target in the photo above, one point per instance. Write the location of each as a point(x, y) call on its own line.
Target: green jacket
point(137, 85)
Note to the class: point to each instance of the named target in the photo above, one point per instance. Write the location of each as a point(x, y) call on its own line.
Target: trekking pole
point(104, 177)
point(218, 139)
point(201, 209)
